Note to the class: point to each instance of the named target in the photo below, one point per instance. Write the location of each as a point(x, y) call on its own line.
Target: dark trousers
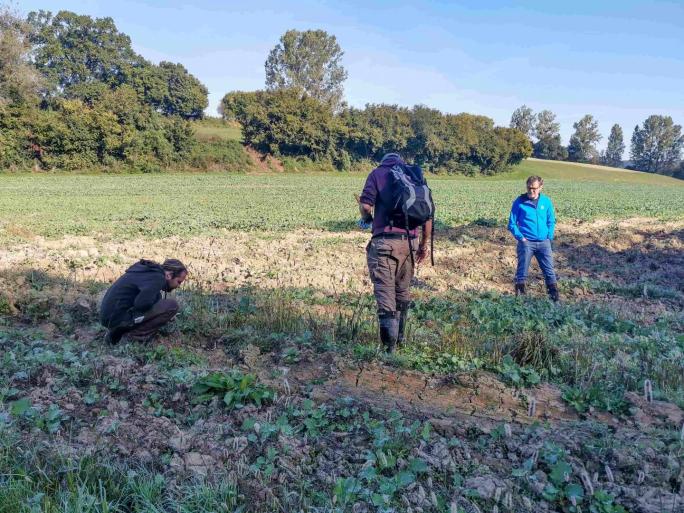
point(542, 251)
point(391, 271)
point(161, 313)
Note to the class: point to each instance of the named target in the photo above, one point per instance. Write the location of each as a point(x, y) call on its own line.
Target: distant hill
point(555, 169)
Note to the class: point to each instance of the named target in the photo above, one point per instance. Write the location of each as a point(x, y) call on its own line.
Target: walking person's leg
point(382, 268)
point(524, 251)
point(544, 256)
point(403, 283)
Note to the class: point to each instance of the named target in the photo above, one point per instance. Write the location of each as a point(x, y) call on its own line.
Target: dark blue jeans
point(542, 251)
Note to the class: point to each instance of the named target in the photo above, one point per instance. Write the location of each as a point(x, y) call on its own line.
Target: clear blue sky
point(618, 60)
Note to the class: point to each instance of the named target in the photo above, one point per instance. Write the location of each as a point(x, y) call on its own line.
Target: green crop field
point(183, 204)
point(269, 391)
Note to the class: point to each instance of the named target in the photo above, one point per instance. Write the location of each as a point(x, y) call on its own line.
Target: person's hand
point(421, 254)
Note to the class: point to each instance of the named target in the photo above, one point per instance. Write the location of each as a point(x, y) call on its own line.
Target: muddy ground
point(483, 431)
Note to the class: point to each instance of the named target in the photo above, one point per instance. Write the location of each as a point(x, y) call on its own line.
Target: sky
point(620, 61)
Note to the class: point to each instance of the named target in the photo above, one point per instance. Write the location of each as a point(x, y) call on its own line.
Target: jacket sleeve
point(148, 295)
point(551, 220)
point(513, 222)
point(370, 190)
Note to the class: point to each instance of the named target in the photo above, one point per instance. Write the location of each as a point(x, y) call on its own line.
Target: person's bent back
point(133, 305)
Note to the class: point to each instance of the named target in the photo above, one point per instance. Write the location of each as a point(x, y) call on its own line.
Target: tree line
point(656, 144)
point(301, 113)
point(75, 95)
point(286, 123)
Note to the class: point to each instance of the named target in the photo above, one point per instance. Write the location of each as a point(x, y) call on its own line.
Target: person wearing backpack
point(398, 203)
point(532, 222)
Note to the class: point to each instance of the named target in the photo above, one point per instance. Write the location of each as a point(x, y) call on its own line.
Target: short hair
point(535, 178)
point(174, 266)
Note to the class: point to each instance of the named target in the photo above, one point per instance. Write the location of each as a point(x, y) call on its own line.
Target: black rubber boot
point(403, 308)
point(389, 329)
point(520, 289)
point(113, 336)
point(552, 288)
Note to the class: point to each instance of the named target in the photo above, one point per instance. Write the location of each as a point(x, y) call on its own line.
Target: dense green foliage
point(308, 62)
point(59, 205)
point(85, 99)
point(657, 145)
point(284, 124)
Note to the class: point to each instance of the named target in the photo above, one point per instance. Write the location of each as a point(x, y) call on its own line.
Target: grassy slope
point(212, 128)
point(554, 169)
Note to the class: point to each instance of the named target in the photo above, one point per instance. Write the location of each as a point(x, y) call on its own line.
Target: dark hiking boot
point(403, 307)
point(113, 336)
point(389, 330)
point(520, 289)
point(553, 292)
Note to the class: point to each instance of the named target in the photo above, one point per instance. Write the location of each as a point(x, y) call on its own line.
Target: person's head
point(175, 273)
point(535, 184)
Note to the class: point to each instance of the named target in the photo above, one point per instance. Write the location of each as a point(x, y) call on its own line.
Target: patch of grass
point(32, 480)
point(211, 129)
point(219, 155)
point(634, 290)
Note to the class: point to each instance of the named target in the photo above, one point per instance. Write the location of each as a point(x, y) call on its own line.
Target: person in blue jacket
point(532, 222)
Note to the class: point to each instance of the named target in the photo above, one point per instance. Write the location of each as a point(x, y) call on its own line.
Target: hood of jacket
point(145, 266)
point(391, 159)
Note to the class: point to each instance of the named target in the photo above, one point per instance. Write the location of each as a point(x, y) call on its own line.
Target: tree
point(550, 149)
point(680, 171)
point(615, 148)
point(283, 123)
point(546, 126)
point(308, 62)
point(657, 145)
point(234, 105)
point(177, 92)
point(427, 141)
point(377, 129)
point(582, 147)
point(84, 57)
point(523, 119)
point(549, 144)
point(20, 82)
point(72, 50)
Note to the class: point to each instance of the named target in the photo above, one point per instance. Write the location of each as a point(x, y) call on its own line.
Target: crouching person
point(133, 305)
point(532, 222)
point(392, 250)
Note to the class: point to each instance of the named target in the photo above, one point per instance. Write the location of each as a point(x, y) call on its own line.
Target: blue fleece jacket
point(532, 222)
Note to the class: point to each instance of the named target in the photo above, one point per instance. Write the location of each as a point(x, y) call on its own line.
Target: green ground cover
point(184, 204)
point(619, 324)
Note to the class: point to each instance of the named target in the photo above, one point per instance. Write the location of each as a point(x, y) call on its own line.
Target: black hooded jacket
point(133, 294)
